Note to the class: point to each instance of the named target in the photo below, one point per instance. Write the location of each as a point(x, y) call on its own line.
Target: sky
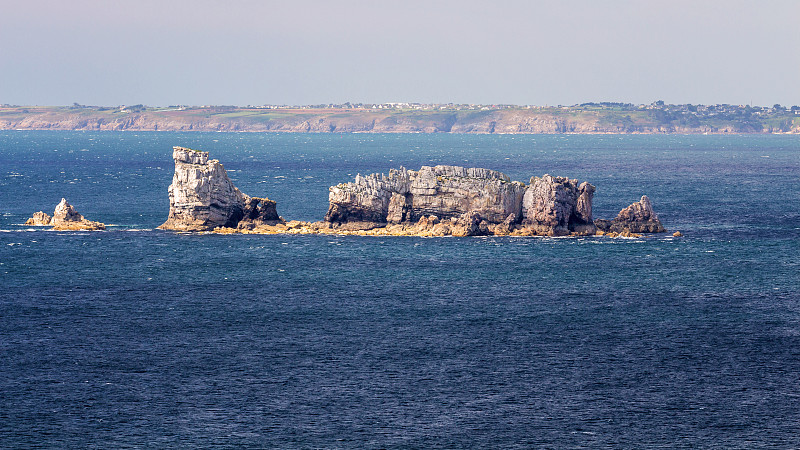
point(296, 52)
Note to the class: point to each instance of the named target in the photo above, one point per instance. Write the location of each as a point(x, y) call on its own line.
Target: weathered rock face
point(550, 206)
point(65, 217)
point(408, 195)
point(433, 201)
point(202, 197)
point(469, 224)
point(639, 217)
point(449, 191)
point(556, 206)
point(65, 213)
point(39, 219)
point(367, 198)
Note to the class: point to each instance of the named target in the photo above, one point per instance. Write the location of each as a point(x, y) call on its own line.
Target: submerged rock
point(64, 218)
point(638, 217)
point(202, 197)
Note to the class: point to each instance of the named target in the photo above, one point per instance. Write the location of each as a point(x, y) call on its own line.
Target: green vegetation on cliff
point(413, 118)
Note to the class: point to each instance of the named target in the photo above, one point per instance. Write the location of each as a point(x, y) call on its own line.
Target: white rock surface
point(201, 196)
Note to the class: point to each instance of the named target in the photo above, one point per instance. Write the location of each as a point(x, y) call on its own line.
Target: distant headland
point(585, 118)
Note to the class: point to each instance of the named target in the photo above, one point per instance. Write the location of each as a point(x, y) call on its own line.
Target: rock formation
point(433, 201)
point(466, 201)
point(639, 217)
point(442, 191)
point(558, 206)
point(258, 211)
point(39, 219)
point(64, 218)
point(202, 197)
point(65, 212)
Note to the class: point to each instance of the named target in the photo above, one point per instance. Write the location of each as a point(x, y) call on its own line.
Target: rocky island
point(433, 201)
point(64, 218)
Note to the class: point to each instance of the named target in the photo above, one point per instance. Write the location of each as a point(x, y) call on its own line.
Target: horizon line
point(377, 105)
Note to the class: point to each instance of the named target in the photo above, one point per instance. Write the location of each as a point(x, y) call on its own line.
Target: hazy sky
point(56, 52)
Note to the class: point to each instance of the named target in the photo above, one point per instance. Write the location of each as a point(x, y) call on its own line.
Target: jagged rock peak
point(464, 172)
point(202, 196)
point(638, 217)
point(65, 213)
point(641, 211)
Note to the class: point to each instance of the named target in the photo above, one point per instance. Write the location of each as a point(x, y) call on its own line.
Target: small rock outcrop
point(39, 219)
point(639, 217)
point(65, 218)
point(202, 197)
point(465, 202)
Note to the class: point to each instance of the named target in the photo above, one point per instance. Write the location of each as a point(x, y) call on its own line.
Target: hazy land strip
point(588, 118)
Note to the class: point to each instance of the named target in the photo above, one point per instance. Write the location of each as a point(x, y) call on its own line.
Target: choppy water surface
point(138, 337)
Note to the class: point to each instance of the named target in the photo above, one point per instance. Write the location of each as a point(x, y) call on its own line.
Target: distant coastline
point(587, 118)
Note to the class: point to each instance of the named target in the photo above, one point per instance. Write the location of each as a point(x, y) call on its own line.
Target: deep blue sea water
point(135, 337)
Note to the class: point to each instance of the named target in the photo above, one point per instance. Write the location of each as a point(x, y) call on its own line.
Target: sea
point(135, 337)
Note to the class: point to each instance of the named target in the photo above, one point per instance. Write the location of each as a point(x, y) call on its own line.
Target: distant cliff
point(484, 120)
